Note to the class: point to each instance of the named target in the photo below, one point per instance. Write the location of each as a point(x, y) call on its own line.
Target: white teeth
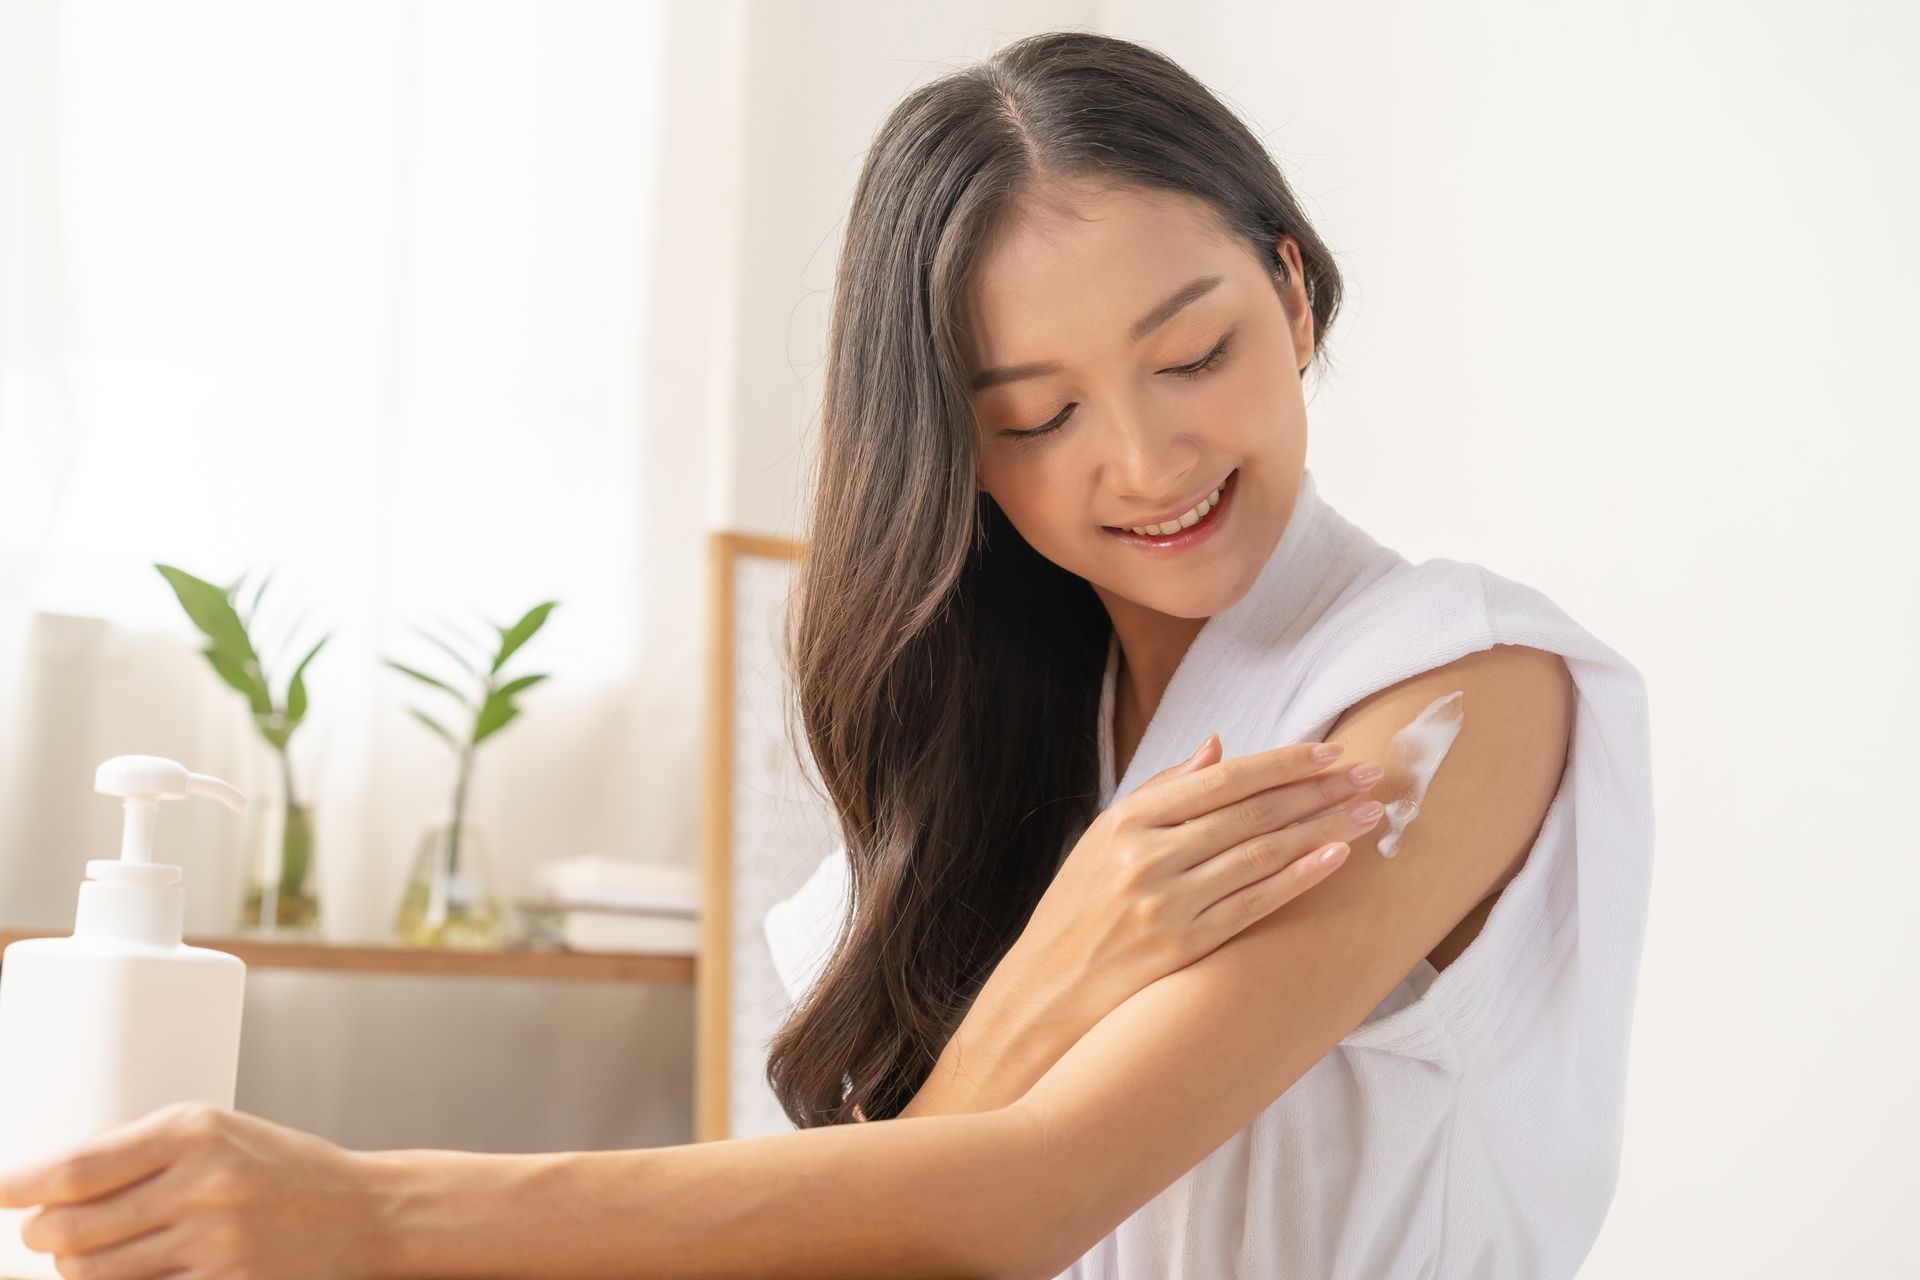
point(1186, 521)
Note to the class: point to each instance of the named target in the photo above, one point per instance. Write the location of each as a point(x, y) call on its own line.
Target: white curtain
point(355, 292)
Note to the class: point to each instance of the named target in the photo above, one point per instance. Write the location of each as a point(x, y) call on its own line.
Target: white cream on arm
point(1413, 756)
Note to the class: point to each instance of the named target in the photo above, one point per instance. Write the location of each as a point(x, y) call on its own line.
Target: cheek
point(1031, 497)
point(1042, 498)
point(1253, 399)
point(1257, 419)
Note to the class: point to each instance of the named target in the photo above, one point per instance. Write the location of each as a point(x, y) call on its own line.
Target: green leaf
point(212, 611)
point(297, 687)
point(436, 726)
point(274, 728)
point(512, 687)
point(471, 666)
point(511, 638)
point(496, 713)
point(435, 681)
point(230, 672)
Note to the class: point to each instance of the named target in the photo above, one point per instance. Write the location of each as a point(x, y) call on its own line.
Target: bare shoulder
point(1484, 807)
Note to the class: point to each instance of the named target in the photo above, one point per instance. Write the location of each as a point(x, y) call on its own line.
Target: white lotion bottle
point(121, 1018)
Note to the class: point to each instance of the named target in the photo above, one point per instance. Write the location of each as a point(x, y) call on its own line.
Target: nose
point(1152, 468)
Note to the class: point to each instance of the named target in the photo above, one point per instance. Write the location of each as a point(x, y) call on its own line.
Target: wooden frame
point(714, 997)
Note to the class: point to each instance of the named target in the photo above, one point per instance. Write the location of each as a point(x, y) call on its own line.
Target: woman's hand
point(1181, 864)
point(193, 1191)
point(1172, 870)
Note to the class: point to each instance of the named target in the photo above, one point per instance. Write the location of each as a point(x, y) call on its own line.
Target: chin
point(1191, 603)
point(1182, 595)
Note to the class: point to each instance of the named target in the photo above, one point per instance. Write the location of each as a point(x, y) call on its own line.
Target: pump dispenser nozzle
point(143, 781)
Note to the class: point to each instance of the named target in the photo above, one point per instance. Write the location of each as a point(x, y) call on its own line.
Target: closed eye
point(1188, 371)
point(1212, 358)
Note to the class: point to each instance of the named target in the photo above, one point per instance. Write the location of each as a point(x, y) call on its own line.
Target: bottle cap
point(144, 781)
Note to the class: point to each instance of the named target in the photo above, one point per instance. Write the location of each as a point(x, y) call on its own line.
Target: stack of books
point(604, 904)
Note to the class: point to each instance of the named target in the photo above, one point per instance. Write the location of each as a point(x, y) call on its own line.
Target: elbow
point(1042, 1258)
point(1004, 1264)
point(1015, 1241)
point(1031, 1225)
point(1046, 1256)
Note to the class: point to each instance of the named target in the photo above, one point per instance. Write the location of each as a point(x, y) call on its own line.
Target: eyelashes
point(1189, 372)
point(1212, 358)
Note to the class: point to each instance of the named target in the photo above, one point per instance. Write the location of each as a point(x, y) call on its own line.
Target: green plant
point(232, 654)
point(490, 705)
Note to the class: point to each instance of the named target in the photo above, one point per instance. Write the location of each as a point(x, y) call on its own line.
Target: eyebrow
point(1145, 325)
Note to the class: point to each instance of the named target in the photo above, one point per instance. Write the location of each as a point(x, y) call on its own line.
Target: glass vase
point(449, 899)
point(281, 897)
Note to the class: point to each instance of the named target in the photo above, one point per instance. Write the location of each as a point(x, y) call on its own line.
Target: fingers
point(1260, 899)
point(110, 1221)
point(1262, 856)
point(1281, 807)
point(1209, 752)
point(152, 1254)
point(103, 1163)
point(1210, 787)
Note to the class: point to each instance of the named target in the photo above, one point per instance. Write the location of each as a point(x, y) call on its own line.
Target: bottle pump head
point(133, 895)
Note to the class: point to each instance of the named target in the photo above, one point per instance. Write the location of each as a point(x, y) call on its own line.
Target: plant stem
point(296, 838)
point(459, 809)
point(286, 778)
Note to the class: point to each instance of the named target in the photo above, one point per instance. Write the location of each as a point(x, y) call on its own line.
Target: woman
point(1076, 301)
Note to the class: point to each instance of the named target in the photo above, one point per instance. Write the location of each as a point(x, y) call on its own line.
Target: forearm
point(1006, 1042)
point(934, 1196)
point(991, 1061)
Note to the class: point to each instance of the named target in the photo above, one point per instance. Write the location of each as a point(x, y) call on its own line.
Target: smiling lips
point(1185, 520)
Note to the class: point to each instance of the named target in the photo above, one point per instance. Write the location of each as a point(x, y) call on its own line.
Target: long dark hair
point(947, 674)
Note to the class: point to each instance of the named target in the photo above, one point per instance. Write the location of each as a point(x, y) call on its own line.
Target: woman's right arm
point(1131, 906)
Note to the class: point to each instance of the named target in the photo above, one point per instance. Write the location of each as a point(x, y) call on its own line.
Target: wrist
point(1020, 1030)
point(397, 1187)
point(440, 1214)
point(1012, 1010)
point(1011, 1035)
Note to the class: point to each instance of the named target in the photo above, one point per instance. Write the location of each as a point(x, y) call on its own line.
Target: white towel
point(1472, 1123)
point(802, 930)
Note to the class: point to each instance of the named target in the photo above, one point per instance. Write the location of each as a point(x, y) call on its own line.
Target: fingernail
point(1362, 774)
point(1331, 855)
point(1200, 748)
point(1327, 751)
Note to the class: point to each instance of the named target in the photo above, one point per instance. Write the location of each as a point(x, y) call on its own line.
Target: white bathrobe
point(1470, 1126)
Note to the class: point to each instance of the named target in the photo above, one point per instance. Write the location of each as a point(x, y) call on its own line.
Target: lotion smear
point(1414, 754)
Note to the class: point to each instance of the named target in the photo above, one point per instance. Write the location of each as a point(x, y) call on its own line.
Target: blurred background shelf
point(556, 965)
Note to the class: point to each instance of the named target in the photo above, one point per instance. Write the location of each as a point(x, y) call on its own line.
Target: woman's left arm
point(1176, 1070)
point(1017, 1191)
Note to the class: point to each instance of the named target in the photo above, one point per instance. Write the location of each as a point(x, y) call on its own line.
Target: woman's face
point(1065, 329)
